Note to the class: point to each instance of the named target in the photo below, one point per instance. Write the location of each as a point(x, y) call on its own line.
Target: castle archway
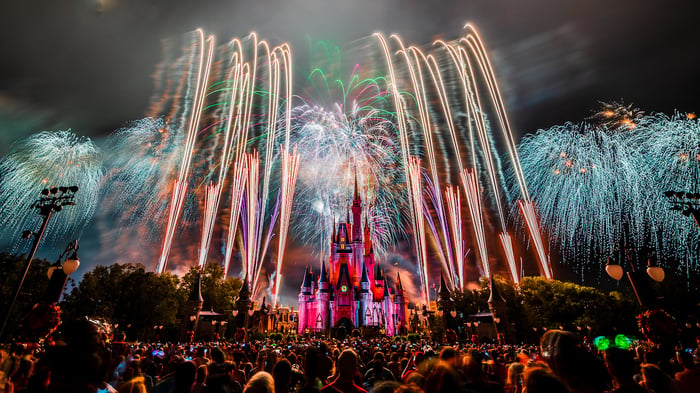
point(343, 327)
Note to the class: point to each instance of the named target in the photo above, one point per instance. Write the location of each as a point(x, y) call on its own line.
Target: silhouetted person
point(80, 361)
point(540, 380)
point(620, 366)
point(656, 380)
point(580, 370)
point(261, 382)
point(185, 375)
point(346, 369)
point(689, 378)
point(282, 374)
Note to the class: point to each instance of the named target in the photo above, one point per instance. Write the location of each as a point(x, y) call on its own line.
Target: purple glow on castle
point(353, 292)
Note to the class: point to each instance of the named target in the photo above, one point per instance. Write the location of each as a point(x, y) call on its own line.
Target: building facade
point(352, 291)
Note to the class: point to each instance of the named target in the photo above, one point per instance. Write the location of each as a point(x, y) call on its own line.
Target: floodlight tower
point(50, 200)
point(686, 202)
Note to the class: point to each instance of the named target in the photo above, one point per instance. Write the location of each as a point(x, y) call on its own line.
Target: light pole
point(640, 285)
point(50, 200)
point(686, 202)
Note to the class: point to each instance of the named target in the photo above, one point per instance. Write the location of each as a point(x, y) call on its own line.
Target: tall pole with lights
point(640, 284)
point(50, 201)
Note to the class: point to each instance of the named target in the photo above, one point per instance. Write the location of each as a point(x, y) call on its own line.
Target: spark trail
point(206, 49)
point(290, 168)
point(450, 127)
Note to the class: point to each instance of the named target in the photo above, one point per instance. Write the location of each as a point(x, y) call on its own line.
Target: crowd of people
point(84, 359)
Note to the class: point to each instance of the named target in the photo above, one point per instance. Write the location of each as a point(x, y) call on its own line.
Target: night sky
point(88, 64)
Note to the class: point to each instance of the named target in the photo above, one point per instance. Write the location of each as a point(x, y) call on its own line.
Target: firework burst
point(588, 184)
point(670, 147)
point(45, 160)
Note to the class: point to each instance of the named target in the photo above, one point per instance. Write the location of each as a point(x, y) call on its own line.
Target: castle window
point(343, 288)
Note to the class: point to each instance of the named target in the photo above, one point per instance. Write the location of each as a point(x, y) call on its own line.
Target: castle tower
point(357, 241)
point(305, 301)
point(344, 295)
point(368, 258)
point(367, 238)
point(324, 297)
point(400, 307)
point(356, 214)
point(366, 298)
point(444, 302)
point(388, 311)
point(194, 304)
point(498, 308)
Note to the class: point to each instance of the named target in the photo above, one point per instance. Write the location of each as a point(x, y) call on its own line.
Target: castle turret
point(366, 297)
point(368, 238)
point(305, 301)
point(498, 308)
point(356, 215)
point(244, 303)
point(324, 297)
point(444, 301)
point(195, 303)
point(400, 306)
point(358, 249)
point(387, 311)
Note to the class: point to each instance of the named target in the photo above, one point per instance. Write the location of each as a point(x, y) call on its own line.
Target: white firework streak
point(418, 203)
point(180, 185)
point(471, 190)
point(238, 182)
point(470, 62)
point(454, 208)
point(290, 169)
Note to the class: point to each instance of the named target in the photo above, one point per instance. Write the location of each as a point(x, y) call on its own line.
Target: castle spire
point(356, 194)
point(399, 287)
point(367, 232)
point(365, 278)
point(196, 294)
point(244, 292)
point(307, 278)
point(444, 292)
point(324, 274)
point(495, 296)
point(387, 291)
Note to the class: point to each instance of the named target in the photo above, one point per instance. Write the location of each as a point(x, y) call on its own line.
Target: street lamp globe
point(71, 264)
point(614, 271)
point(656, 273)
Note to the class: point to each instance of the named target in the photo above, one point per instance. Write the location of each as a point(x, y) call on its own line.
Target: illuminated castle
point(352, 292)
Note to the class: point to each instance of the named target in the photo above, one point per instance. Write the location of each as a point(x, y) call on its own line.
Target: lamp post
point(158, 330)
point(67, 263)
point(50, 200)
point(687, 203)
point(640, 286)
point(192, 333)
